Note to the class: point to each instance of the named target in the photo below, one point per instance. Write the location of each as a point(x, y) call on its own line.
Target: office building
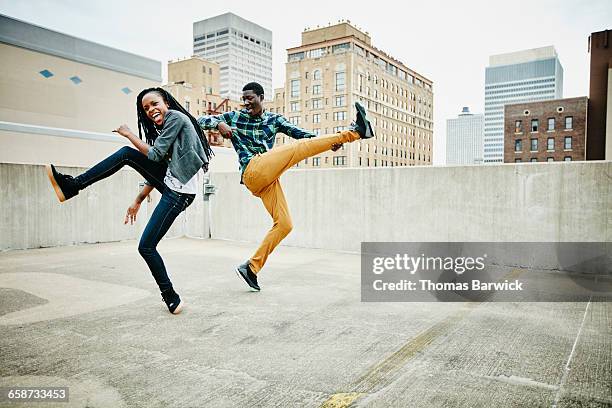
point(523, 76)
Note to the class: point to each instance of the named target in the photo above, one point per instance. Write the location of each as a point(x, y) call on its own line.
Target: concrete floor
point(89, 318)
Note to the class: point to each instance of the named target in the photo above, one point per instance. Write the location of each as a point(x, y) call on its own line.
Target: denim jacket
point(179, 140)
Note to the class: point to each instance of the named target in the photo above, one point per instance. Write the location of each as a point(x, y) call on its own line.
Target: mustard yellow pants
point(261, 177)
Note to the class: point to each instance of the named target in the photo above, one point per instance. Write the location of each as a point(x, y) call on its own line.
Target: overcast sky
point(448, 42)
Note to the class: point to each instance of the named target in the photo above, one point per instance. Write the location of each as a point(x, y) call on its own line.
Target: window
point(317, 131)
point(518, 145)
point(534, 125)
point(316, 161)
point(533, 160)
point(316, 104)
point(569, 122)
point(340, 100)
point(534, 145)
point(295, 106)
point(568, 142)
point(340, 47)
point(551, 124)
point(316, 74)
point(295, 120)
point(550, 143)
point(318, 53)
point(340, 81)
point(316, 118)
point(187, 106)
point(518, 126)
point(550, 159)
point(339, 161)
point(296, 57)
point(295, 88)
point(567, 158)
point(316, 89)
point(340, 115)
point(517, 160)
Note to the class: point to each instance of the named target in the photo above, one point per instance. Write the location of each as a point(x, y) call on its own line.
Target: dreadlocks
point(151, 131)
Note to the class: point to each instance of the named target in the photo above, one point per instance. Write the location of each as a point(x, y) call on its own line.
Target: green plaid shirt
point(253, 135)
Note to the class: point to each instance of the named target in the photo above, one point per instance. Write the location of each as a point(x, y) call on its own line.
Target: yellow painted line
point(383, 373)
point(342, 400)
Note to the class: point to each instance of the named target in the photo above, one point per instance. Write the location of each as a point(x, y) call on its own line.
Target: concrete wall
point(32, 217)
point(334, 209)
point(337, 209)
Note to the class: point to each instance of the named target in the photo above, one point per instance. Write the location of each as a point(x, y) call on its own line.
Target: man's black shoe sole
point(244, 279)
point(361, 111)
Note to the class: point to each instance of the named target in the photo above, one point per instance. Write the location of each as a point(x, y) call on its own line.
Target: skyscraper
point(242, 49)
point(464, 138)
point(523, 76)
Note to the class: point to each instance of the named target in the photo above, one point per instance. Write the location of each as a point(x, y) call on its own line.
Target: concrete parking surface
point(90, 318)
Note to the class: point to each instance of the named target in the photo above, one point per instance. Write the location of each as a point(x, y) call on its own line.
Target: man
point(252, 132)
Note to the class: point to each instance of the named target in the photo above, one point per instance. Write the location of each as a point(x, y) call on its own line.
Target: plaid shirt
point(253, 135)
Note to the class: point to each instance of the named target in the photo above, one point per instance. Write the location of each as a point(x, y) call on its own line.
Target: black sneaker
point(65, 186)
point(362, 124)
point(244, 271)
point(172, 300)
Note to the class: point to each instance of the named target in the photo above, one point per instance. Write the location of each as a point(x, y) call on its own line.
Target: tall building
point(546, 131)
point(522, 76)
point(336, 66)
point(242, 49)
point(599, 127)
point(464, 138)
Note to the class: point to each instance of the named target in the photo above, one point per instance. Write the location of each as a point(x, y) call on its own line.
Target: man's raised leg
point(265, 168)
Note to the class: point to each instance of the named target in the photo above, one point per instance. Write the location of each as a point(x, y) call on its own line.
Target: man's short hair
point(255, 87)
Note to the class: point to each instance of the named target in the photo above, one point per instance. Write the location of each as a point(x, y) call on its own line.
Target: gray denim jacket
point(179, 138)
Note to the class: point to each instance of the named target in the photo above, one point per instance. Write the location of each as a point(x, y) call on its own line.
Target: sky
point(449, 42)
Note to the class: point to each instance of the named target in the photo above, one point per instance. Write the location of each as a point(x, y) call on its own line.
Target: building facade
point(464, 138)
point(545, 131)
point(523, 76)
point(336, 66)
point(194, 83)
point(61, 96)
point(599, 142)
point(242, 49)
point(52, 79)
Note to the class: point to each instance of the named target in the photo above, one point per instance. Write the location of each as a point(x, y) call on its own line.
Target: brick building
point(545, 131)
point(599, 146)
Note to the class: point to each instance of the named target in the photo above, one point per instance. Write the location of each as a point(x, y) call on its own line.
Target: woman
point(176, 149)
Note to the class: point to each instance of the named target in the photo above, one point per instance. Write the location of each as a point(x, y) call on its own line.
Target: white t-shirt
point(191, 187)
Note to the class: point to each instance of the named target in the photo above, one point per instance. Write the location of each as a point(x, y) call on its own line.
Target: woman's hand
point(131, 213)
point(123, 130)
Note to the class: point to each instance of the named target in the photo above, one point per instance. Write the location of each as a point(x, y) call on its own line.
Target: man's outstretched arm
point(220, 122)
point(288, 128)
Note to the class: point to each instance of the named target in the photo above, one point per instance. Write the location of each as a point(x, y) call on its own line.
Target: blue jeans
point(170, 206)
point(172, 203)
point(153, 172)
